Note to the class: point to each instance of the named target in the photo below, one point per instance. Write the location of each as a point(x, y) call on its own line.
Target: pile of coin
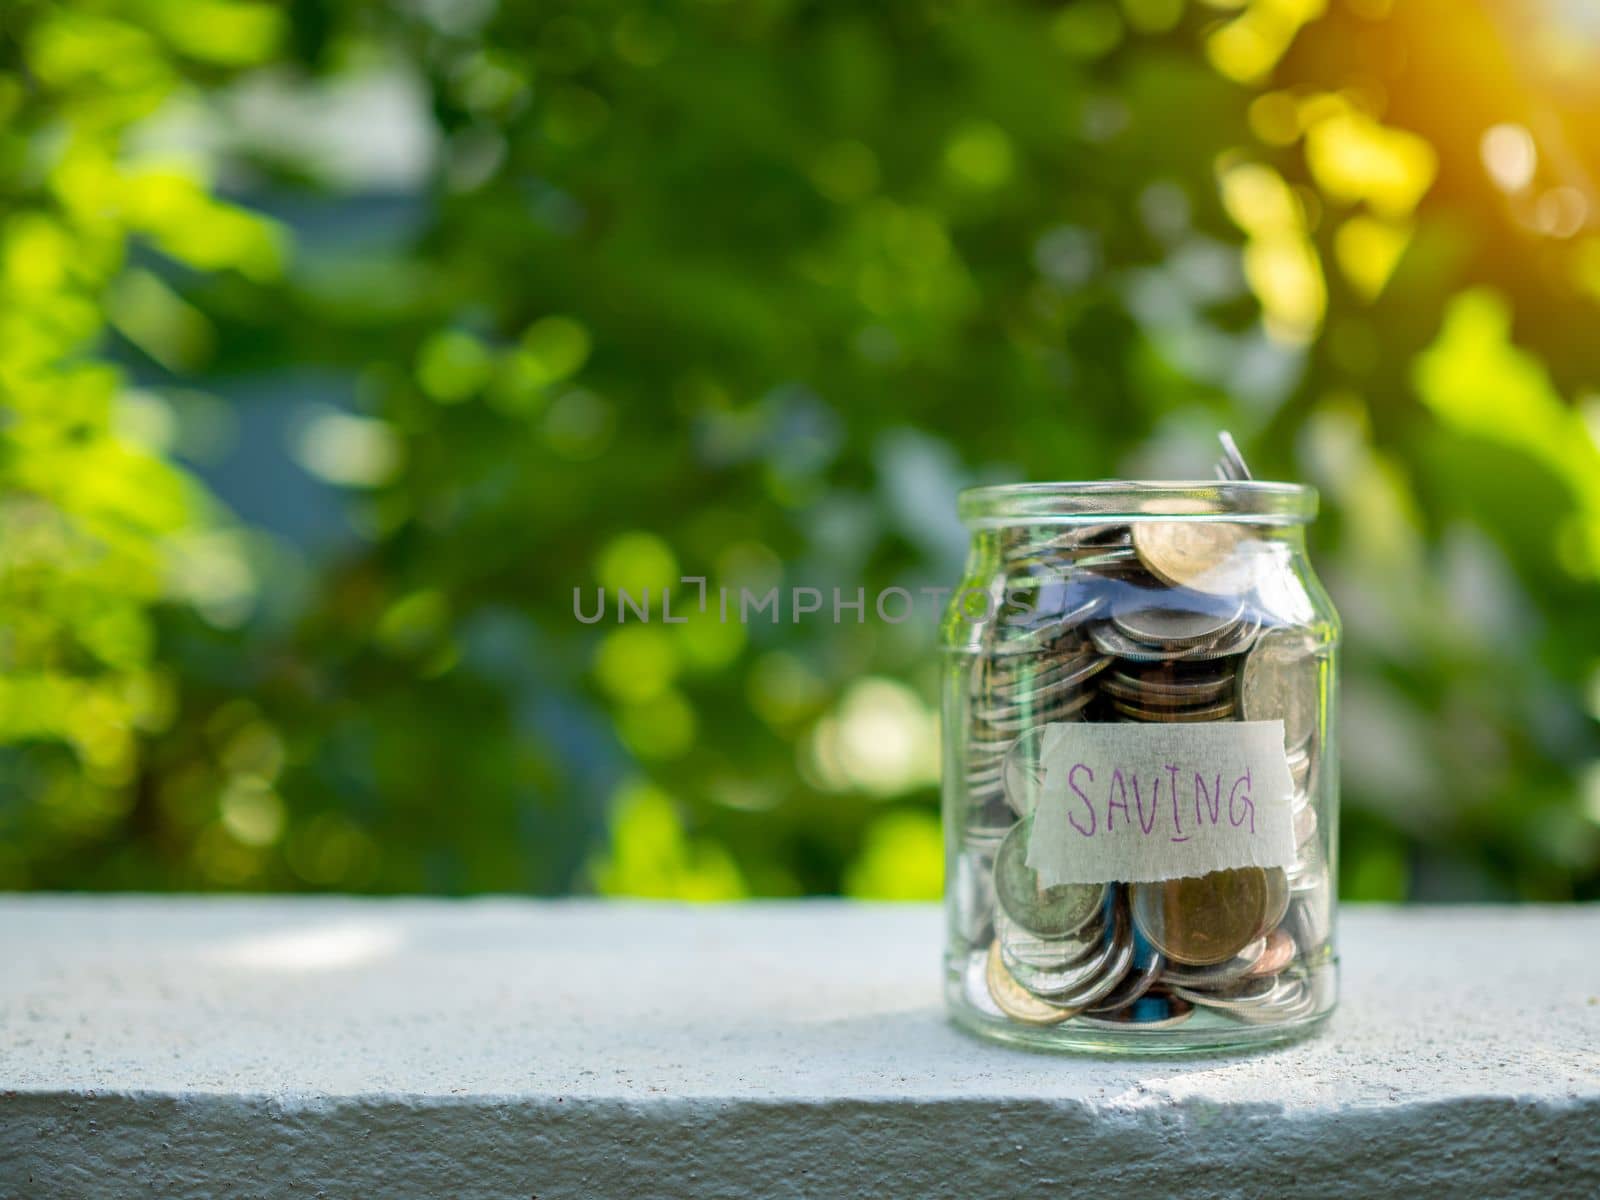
point(1147, 621)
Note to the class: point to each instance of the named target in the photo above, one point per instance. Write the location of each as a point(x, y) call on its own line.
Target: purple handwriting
point(1156, 805)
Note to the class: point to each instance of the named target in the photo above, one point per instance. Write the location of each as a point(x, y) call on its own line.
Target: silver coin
point(1310, 919)
point(1046, 911)
point(1247, 993)
point(1113, 969)
point(1160, 620)
point(985, 745)
point(1023, 773)
point(1057, 595)
point(1281, 679)
point(1293, 1001)
point(1237, 640)
point(1029, 951)
point(1302, 762)
point(1016, 718)
point(975, 985)
point(1055, 685)
point(1047, 970)
point(1008, 707)
point(972, 896)
point(1109, 640)
point(1111, 559)
point(1034, 676)
point(1029, 640)
point(1220, 975)
point(988, 819)
point(1065, 986)
point(1143, 972)
point(983, 794)
point(1054, 539)
point(1231, 466)
point(983, 772)
point(1310, 871)
point(1033, 638)
point(1305, 824)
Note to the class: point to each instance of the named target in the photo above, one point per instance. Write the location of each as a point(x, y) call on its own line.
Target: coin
point(1067, 985)
point(1232, 466)
point(1300, 762)
point(1215, 712)
point(1028, 639)
point(1305, 824)
point(1162, 621)
point(1281, 680)
point(1108, 639)
point(988, 818)
point(1011, 998)
point(1147, 1013)
point(972, 896)
point(1248, 993)
point(1218, 975)
point(1277, 901)
point(1054, 594)
point(1018, 717)
point(1218, 557)
point(1279, 953)
point(1048, 912)
point(985, 774)
point(1290, 1000)
point(1236, 639)
point(1073, 540)
point(1031, 677)
point(975, 985)
point(1310, 920)
point(1148, 690)
point(1113, 563)
point(1085, 982)
point(1204, 919)
point(1056, 968)
point(1041, 629)
point(1142, 975)
point(1024, 951)
point(1023, 773)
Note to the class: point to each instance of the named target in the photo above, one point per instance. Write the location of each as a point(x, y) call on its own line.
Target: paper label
point(1139, 803)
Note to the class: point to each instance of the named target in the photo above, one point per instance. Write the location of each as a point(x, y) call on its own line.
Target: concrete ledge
point(242, 1048)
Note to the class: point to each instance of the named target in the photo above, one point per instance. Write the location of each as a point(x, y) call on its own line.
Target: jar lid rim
point(1257, 501)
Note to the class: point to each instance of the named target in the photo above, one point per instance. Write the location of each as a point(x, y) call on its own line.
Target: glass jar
point(1140, 768)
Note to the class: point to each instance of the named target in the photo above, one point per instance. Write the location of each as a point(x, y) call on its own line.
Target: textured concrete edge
point(83, 1145)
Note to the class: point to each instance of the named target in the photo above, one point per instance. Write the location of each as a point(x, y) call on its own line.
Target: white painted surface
point(201, 1048)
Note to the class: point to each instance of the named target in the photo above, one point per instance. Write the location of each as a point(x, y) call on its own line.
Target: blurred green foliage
point(341, 343)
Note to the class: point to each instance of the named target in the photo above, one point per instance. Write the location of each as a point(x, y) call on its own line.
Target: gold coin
point(1214, 557)
point(1205, 919)
point(1016, 1001)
